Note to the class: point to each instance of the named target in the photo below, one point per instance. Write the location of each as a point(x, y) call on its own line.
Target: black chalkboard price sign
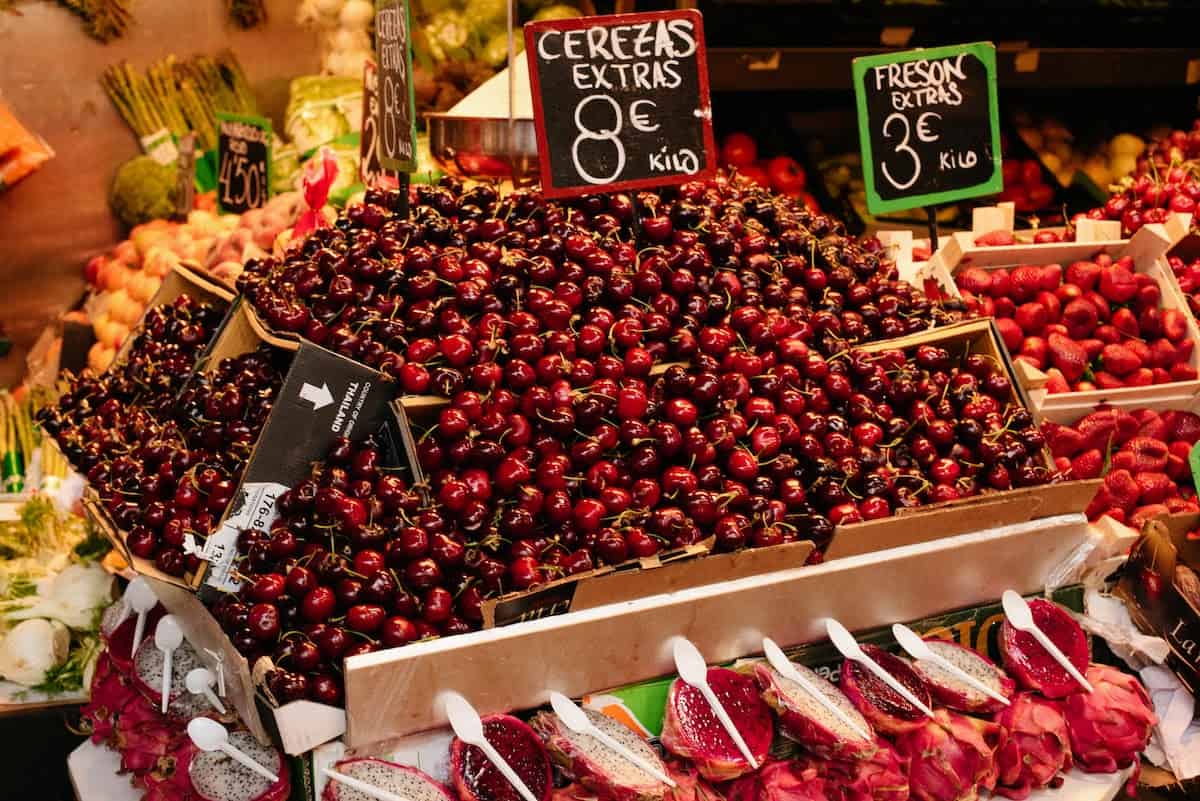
point(621, 101)
point(244, 159)
point(370, 171)
point(928, 125)
point(395, 119)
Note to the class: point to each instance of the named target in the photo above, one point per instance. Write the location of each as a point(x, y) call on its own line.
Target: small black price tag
point(395, 116)
point(928, 125)
point(620, 101)
point(244, 158)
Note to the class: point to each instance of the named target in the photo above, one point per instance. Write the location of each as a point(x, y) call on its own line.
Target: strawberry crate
point(1146, 250)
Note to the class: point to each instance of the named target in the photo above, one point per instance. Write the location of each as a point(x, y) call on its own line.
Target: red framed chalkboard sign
point(620, 101)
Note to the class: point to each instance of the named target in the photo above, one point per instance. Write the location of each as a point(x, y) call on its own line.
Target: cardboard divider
point(394, 693)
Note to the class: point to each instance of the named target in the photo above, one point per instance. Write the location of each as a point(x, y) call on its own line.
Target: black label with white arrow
point(324, 396)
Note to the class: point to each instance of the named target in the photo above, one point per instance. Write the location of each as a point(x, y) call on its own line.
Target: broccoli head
point(143, 190)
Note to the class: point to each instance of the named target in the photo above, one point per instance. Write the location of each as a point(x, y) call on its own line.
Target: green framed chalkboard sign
point(929, 125)
point(396, 119)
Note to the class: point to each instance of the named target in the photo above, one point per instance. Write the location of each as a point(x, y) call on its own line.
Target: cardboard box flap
point(393, 693)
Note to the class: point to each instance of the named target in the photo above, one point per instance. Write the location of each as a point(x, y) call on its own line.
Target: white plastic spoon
point(199, 681)
point(208, 735)
point(784, 667)
point(469, 728)
point(362, 787)
point(919, 650)
point(1021, 617)
point(849, 648)
point(167, 637)
point(694, 671)
point(577, 721)
point(141, 600)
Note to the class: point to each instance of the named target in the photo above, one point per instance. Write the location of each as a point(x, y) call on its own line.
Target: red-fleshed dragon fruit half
point(887, 711)
point(168, 779)
point(1109, 727)
point(950, 691)
point(216, 777)
point(780, 780)
point(881, 775)
point(804, 719)
point(408, 783)
point(147, 677)
point(1027, 661)
point(691, 729)
point(597, 767)
point(951, 757)
point(1036, 747)
point(143, 736)
point(477, 779)
point(111, 692)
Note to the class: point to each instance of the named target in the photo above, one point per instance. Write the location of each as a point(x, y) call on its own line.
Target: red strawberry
point(1139, 349)
point(1185, 348)
point(1127, 427)
point(1031, 317)
point(1093, 347)
point(975, 280)
point(1053, 306)
point(1100, 502)
point(1149, 455)
point(1067, 355)
point(1163, 353)
point(1062, 440)
point(987, 307)
point(1161, 376)
point(1117, 284)
point(1084, 274)
point(1103, 309)
point(1174, 325)
point(1030, 360)
point(1141, 377)
point(1001, 284)
point(1026, 283)
point(1149, 424)
point(1062, 464)
point(1150, 322)
point(1122, 489)
point(1080, 318)
point(1051, 277)
point(1182, 372)
point(1179, 447)
point(1148, 295)
point(1124, 321)
point(1123, 460)
point(1088, 464)
point(1178, 469)
point(1106, 380)
point(1011, 333)
point(1098, 428)
point(1036, 348)
point(993, 239)
point(1156, 487)
point(1148, 512)
point(1119, 360)
point(1055, 382)
point(1183, 426)
point(1107, 334)
point(1005, 306)
point(1102, 260)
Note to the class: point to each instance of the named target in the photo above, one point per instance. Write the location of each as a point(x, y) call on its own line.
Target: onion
point(32, 648)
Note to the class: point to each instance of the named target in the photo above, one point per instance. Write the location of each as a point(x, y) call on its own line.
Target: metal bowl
point(478, 147)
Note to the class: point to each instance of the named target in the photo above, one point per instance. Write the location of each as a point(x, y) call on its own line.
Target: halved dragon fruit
point(406, 782)
point(147, 677)
point(217, 777)
point(888, 712)
point(950, 691)
point(1028, 663)
point(143, 737)
point(951, 757)
point(780, 780)
point(691, 729)
point(119, 636)
point(1109, 727)
point(802, 718)
point(881, 775)
point(1036, 746)
point(477, 779)
point(597, 767)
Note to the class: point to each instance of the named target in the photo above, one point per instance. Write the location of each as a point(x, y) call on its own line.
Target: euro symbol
point(923, 132)
point(639, 119)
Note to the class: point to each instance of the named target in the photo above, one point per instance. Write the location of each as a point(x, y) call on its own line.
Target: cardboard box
point(1161, 586)
point(395, 693)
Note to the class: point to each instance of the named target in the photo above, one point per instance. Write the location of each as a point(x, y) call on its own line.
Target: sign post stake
point(396, 122)
point(931, 214)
